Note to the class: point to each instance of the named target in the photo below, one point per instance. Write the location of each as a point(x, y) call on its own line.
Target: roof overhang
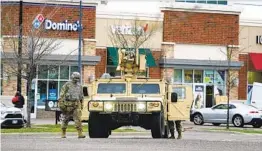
point(54, 2)
point(56, 59)
point(200, 64)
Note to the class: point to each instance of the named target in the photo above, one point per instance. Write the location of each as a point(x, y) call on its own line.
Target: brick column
point(242, 88)
point(167, 52)
point(233, 75)
point(89, 49)
point(101, 66)
point(155, 72)
point(167, 73)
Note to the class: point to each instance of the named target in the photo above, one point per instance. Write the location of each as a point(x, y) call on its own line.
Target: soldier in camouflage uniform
point(71, 104)
point(178, 129)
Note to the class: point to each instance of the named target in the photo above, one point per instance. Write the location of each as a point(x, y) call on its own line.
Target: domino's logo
point(39, 19)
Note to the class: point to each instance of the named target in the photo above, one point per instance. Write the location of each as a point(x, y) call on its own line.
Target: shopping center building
point(189, 48)
point(59, 21)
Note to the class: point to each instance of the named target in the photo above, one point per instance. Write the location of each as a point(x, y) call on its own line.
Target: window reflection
point(188, 76)
point(198, 76)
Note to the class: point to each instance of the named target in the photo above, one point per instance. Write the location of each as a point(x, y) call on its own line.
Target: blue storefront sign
point(52, 94)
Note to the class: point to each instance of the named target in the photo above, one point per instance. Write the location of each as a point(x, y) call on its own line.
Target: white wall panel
point(67, 46)
point(200, 52)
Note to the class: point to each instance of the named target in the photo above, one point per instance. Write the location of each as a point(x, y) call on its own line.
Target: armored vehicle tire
point(158, 126)
point(97, 128)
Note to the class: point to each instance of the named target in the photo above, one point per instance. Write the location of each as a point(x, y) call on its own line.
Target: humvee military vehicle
point(130, 101)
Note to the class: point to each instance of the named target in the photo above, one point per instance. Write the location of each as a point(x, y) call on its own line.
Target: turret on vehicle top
point(129, 101)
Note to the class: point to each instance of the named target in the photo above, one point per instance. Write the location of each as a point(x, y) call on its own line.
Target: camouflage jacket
point(71, 92)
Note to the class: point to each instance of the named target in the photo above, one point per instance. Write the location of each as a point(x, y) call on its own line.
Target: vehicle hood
point(11, 110)
point(126, 98)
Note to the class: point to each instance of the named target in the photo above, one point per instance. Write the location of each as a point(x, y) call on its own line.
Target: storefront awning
point(256, 59)
point(112, 56)
point(200, 64)
point(55, 59)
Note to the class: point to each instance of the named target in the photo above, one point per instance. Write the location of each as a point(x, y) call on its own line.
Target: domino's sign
point(50, 25)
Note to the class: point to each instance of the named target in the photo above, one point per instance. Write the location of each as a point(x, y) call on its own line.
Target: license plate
point(14, 121)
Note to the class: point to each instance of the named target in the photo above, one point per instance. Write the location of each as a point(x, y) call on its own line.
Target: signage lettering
point(259, 40)
point(50, 25)
point(128, 30)
point(61, 26)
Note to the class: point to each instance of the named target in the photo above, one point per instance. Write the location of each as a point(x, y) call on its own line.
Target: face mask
point(75, 80)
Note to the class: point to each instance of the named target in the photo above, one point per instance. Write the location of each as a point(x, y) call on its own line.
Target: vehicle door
point(218, 114)
point(180, 110)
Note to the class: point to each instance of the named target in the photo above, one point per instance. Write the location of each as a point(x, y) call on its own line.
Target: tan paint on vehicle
point(180, 110)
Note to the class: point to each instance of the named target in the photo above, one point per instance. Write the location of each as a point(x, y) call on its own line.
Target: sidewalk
point(43, 121)
point(187, 125)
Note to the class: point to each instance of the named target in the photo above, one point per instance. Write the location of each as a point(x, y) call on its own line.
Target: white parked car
point(239, 115)
point(11, 117)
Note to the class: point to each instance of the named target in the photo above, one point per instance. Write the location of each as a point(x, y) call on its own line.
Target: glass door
point(199, 91)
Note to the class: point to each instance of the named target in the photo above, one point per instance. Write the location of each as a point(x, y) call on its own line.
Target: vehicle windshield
point(116, 88)
point(145, 89)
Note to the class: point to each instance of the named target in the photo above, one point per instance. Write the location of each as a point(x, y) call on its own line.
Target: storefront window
point(221, 2)
point(254, 77)
point(181, 92)
point(208, 76)
point(178, 76)
point(41, 92)
point(53, 72)
point(144, 73)
point(198, 76)
point(64, 72)
point(211, 1)
point(219, 77)
point(73, 69)
point(50, 81)
point(219, 90)
point(42, 72)
point(112, 71)
point(61, 83)
point(188, 76)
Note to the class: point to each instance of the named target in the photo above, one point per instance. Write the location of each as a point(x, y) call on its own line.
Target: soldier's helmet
point(75, 76)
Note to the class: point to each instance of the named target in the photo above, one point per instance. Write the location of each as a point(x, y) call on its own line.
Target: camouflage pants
point(72, 109)
point(171, 125)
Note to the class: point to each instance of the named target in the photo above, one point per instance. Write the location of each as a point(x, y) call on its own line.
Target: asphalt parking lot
point(192, 141)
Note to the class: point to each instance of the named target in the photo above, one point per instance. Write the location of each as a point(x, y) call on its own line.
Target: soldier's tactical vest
point(73, 92)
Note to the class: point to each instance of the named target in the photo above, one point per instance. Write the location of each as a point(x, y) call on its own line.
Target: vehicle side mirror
point(85, 91)
point(173, 97)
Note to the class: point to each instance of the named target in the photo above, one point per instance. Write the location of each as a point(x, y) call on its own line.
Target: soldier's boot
point(80, 134)
point(179, 135)
point(172, 135)
point(63, 133)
